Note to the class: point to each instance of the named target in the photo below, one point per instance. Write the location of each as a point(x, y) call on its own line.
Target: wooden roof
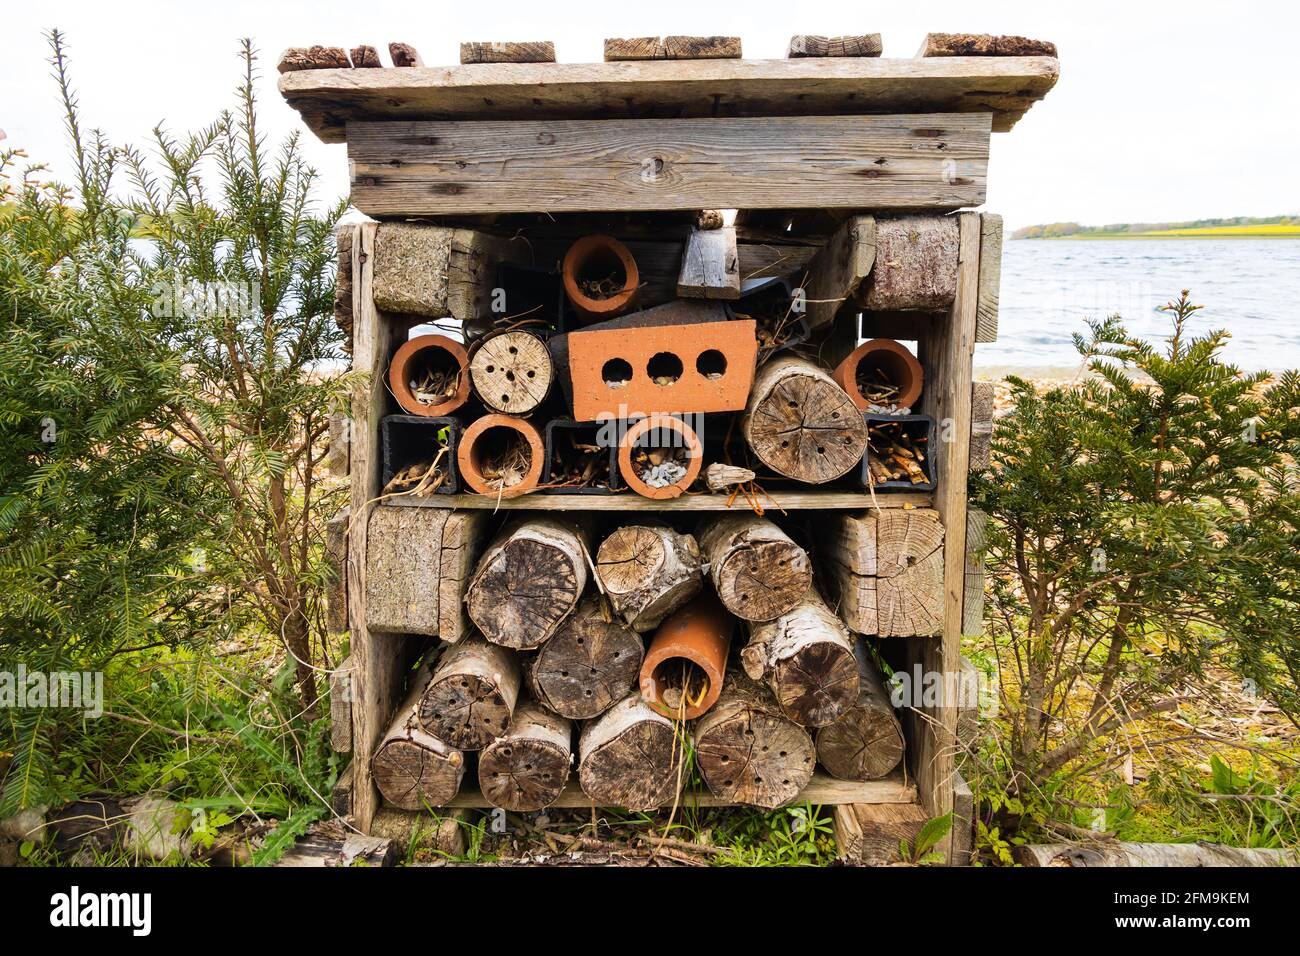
point(1006, 87)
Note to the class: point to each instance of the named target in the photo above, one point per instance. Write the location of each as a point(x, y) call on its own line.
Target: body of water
point(1249, 287)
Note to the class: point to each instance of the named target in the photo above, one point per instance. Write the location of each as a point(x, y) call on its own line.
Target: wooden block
point(710, 265)
point(340, 446)
point(972, 617)
point(313, 58)
point(364, 57)
point(963, 822)
point(982, 44)
point(909, 573)
point(837, 271)
point(990, 280)
point(981, 424)
point(403, 565)
point(445, 168)
point(869, 44)
point(341, 795)
point(541, 51)
point(404, 54)
point(341, 697)
point(871, 834)
point(673, 48)
point(336, 557)
point(915, 267)
point(463, 539)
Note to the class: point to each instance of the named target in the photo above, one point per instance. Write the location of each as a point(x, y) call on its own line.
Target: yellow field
point(1273, 231)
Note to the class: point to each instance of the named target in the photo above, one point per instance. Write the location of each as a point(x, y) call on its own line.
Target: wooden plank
point(986, 318)
point(377, 674)
point(972, 620)
point(445, 168)
point(336, 557)
point(1006, 87)
point(963, 822)
point(710, 265)
point(672, 48)
point(968, 703)
point(868, 44)
point(538, 51)
point(839, 268)
point(774, 501)
point(981, 425)
point(946, 354)
point(822, 790)
point(341, 697)
point(338, 457)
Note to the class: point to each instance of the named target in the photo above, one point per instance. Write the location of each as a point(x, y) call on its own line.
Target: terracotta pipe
point(600, 256)
point(700, 633)
point(408, 359)
point(469, 455)
point(894, 360)
point(689, 440)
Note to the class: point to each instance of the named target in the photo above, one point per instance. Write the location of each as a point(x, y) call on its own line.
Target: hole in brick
point(712, 364)
point(665, 368)
point(616, 373)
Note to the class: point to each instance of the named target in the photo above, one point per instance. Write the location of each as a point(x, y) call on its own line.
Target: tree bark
point(648, 571)
point(588, 665)
point(801, 424)
point(528, 582)
point(805, 657)
point(1114, 853)
point(470, 700)
point(628, 757)
point(866, 741)
point(413, 768)
point(757, 570)
point(528, 767)
point(748, 751)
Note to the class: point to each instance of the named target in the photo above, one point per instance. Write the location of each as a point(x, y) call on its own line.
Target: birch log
point(413, 768)
point(587, 666)
point(801, 424)
point(806, 658)
point(757, 570)
point(529, 580)
point(866, 741)
point(748, 751)
point(628, 757)
point(528, 767)
point(648, 571)
point(1114, 853)
point(470, 700)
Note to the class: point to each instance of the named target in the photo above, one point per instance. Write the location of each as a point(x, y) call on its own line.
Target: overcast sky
point(1164, 110)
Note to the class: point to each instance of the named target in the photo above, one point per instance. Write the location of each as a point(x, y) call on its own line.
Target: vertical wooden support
point(947, 352)
point(377, 664)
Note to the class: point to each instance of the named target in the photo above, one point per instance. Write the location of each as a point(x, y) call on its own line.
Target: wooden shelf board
point(823, 790)
point(775, 501)
point(1005, 87)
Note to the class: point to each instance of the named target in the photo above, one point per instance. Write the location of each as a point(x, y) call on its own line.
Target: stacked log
point(757, 570)
point(648, 571)
point(630, 757)
point(527, 768)
point(866, 741)
point(471, 697)
point(587, 665)
point(413, 768)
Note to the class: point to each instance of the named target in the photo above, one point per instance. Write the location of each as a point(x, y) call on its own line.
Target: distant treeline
point(1056, 230)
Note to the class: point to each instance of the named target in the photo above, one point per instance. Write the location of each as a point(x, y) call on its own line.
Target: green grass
point(1270, 231)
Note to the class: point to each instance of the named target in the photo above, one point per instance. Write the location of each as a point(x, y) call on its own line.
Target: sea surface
point(1251, 287)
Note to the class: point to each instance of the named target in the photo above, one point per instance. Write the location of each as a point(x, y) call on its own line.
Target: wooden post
point(806, 658)
point(837, 271)
point(647, 572)
point(628, 757)
point(530, 579)
point(588, 665)
point(527, 768)
point(801, 424)
point(748, 751)
point(336, 555)
point(341, 699)
point(757, 570)
point(710, 265)
point(470, 700)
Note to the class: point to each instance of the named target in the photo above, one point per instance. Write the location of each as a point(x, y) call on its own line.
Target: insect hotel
point(664, 422)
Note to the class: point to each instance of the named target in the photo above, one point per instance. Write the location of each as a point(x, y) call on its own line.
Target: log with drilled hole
point(470, 700)
point(527, 768)
point(511, 372)
point(529, 580)
point(806, 658)
point(748, 751)
point(866, 741)
point(801, 424)
point(588, 665)
point(630, 757)
point(757, 570)
point(412, 767)
point(648, 571)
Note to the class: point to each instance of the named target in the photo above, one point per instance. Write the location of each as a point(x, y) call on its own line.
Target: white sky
point(1137, 78)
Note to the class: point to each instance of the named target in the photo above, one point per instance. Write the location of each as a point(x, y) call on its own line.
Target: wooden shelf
point(823, 790)
point(776, 501)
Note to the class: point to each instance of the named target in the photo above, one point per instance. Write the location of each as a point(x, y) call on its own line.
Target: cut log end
point(466, 710)
point(629, 758)
point(527, 768)
point(511, 372)
point(587, 666)
point(803, 425)
point(412, 776)
point(764, 580)
point(648, 572)
point(816, 685)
